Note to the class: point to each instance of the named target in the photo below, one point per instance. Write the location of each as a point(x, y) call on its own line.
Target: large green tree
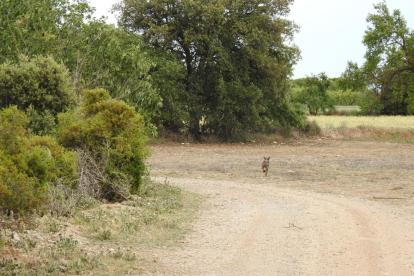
point(313, 94)
point(236, 56)
point(388, 71)
point(41, 27)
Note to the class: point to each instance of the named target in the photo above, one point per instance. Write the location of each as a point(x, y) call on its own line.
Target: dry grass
point(333, 122)
point(108, 239)
point(365, 169)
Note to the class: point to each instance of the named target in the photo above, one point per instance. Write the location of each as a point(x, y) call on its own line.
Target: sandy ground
point(325, 208)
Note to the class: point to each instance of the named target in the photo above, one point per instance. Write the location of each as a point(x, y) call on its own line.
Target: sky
point(331, 31)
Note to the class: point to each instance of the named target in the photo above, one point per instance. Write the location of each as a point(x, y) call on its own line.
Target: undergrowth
point(108, 239)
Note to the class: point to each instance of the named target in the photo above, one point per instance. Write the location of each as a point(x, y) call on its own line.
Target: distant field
point(347, 108)
point(333, 122)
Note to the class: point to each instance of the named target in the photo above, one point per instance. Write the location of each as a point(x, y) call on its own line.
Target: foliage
point(95, 53)
point(168, 77)
point(314, 94)
point(236, 59)
point(388, 71)
point(312, 128)
point(123, 69)
point(40, 27)
point(39, 86)
point(344, 97)
point(111, 134)
point(29, 165)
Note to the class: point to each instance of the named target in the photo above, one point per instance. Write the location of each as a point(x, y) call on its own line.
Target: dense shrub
point(29, 165)
point(312, 128)
point(39, 86)
point(108, 135)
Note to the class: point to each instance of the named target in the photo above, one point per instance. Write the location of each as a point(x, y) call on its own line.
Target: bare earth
point(326, 208)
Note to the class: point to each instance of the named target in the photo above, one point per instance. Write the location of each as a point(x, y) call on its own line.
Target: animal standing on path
point(265, 165)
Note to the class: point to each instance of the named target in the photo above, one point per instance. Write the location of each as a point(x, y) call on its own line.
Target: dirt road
point(326, 208)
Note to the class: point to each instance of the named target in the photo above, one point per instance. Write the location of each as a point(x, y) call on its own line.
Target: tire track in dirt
point(254, 229)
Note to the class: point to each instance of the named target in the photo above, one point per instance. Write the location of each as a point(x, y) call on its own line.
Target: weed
point(26, 244)
point(171, 224)
point(148, 217)
point(2, 242)
point(104, 235)
point(312, 128)
point(155, 218)
point(53, 227)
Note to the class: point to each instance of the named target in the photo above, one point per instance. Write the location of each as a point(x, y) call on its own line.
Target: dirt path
point(255, 226)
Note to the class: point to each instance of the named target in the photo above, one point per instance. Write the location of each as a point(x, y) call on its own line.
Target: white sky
point(331, 31)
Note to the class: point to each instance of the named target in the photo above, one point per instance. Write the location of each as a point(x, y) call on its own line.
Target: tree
point(40, 27)
point(124, 67)
point(340, 96)
point(388, 71)
point(313, 94)
point(236, 56)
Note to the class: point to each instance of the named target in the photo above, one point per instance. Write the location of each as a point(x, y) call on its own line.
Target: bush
point(312, 128)
point(108, 135)
point(28, 166)
point(40, 86)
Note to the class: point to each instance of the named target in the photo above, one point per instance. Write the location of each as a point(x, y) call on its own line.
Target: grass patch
point(398, 129)
point(372, 133)
point(109, 239)
point(334, 122)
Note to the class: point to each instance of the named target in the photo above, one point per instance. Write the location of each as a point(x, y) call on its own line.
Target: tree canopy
point(236, 56)
point(388, 71)
point(313, 93)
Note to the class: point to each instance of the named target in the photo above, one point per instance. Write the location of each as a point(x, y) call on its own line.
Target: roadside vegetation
point(98, 239)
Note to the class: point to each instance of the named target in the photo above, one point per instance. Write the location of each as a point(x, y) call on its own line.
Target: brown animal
point(265, 165)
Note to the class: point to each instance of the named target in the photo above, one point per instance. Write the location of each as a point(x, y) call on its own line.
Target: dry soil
point(326, 208)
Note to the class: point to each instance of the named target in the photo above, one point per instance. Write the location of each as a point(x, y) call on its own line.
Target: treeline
point(320, 95)
point(383, 85)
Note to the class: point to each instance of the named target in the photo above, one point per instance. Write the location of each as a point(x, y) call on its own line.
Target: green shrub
point(29, 165)
point(109, 134)
point(312, 128)
point(40, 86)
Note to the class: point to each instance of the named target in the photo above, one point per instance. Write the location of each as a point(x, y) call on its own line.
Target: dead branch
point(291, 225)
point(388, 197)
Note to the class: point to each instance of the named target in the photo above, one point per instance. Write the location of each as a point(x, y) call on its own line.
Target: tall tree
point(40, 27)
point(236, 54)
point(314, 94)
point(388, 71)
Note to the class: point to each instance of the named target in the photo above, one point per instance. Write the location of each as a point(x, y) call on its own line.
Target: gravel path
point(248, 229)
point(254, 227)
